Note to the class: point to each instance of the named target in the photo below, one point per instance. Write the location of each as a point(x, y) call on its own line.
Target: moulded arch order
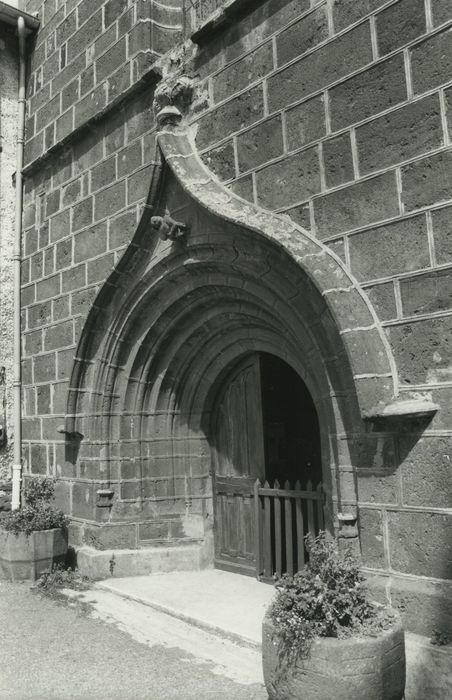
point(136, 340)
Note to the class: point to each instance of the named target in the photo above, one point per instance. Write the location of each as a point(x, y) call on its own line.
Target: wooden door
point(238, 455)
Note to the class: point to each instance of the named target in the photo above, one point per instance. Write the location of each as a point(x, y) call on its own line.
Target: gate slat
point(288, 523)
point(267, 536)
point(310, 508)
point(321, 523)
point(300, 534)
point(258, 528)
point(278, 533)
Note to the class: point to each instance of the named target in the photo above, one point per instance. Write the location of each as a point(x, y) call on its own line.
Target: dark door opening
point(264, 427)
point(290, 425)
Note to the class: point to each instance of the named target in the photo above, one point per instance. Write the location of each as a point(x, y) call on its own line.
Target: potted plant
point(33, 537)
point(323, 638)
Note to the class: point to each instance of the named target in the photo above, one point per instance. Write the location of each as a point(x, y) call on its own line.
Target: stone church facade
point(224, 199)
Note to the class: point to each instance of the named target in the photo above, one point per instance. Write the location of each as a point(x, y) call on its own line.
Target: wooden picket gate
point(283, 517)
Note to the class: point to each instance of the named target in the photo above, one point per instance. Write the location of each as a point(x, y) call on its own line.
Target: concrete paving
point(219, 602)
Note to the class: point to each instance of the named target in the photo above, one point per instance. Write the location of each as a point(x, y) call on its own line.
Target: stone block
point(90, 105)
point(221, 161)
point(52, 202)
point(39, 315)
point(378, 88)
point(65, 363)
point(239, 75)
point(73, 278)
point(122, 228)
point(337, 160)
point(286, 182)
point(236, 114)
point(305, 123)
point(441, 11)
point(33, 342)
point(377, 487)
point(100, 268)
point(60, 308)
point(243, 187)
point(302, 36)
point(357, 205)
point(111, 60)
point(382, 297)
point(426, 471)
point(431, 61)
point(82, 214)
point(371, 538)
point(403, 134)
point(70, 94)
point(63, 254)
point(427, 293)
point(442, 234)
point(325, 65)
point(421, 543)
point(260, 144)
point(48, 287)
point(38, 458)
point(427, 181)
point(84, 500)
point(157, 530)
point(345, 12)
point(43, 399)
point(121, 536)
point(63, 496)
point(301, 215)
point(59, 336)
point(91, 242)
point(109, 200)
point(103, 174)
point(423, 350)
point(386, 250)
point(129, 159)
point(138, 184)
point(399, 24)
point(112, 10)
point(60, 225)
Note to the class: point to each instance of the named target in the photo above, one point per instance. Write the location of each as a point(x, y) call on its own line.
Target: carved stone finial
point(169, 115)
point(175, 92)
point(167, 228)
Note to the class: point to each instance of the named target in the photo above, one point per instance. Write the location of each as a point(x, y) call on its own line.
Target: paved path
point(49, 650)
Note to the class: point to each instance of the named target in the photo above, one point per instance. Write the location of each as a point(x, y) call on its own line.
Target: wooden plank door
point(238, 457)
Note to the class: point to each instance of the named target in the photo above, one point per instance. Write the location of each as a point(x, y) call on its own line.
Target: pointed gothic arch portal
point(207, 281)
point(264, 428)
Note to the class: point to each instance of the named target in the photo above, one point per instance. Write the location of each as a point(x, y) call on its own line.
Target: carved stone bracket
point(167, 228)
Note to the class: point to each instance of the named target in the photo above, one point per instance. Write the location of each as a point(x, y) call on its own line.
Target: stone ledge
point(104, 564)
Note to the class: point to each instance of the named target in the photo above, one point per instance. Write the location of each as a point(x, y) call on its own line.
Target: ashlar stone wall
point(335, 112)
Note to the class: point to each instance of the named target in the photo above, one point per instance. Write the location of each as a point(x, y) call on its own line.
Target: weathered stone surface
point(377, 487)
point(302, 36)
point(356, 205)
point(398, 247)
point(441, 11)
point(290, 180)
point(399, 24)
point(236, 114)
point(371, 538)
point(383, 299)
point(240, 74)
point(261, 144)
point(427, 293)
point(400, 135)
point(368, 93)
point(442, 234)
point(305, 123)
point(325, 65)
point(423, 350)
point(221, 161)
point(346, 12)
point(421, 543)
point(427, 181)
point(337, 160)
point(431, 61)
point(426, 471)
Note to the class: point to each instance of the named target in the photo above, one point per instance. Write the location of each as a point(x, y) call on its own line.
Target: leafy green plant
point(61, 576)
point(326, 599)
point(37, 513)
point(440, 639)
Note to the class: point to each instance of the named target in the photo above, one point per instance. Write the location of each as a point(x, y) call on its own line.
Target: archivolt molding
point(177, 285)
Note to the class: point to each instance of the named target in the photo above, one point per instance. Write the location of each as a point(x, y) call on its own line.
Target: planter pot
point(358, 668)
point(23, 558)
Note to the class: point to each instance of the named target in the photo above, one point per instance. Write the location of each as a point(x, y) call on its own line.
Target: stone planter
point(359, 668)
point(25, 557)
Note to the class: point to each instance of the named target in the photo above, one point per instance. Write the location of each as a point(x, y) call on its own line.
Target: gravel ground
point(51, 650)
